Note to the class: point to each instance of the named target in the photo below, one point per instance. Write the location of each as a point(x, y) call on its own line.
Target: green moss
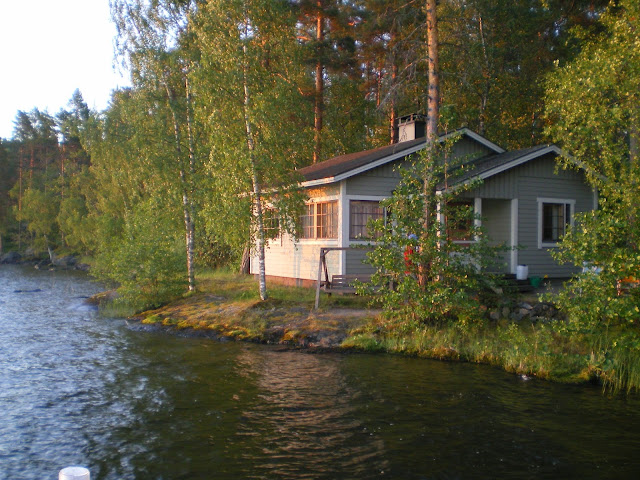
point(151, 319)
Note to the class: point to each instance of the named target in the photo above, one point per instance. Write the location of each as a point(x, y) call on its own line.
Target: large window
point(553, 218)
point(320, 220)
point(361, 211)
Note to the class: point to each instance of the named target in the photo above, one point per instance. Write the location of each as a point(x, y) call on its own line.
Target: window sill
point(317, 241)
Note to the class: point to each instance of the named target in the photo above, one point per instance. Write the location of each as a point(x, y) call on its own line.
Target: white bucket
point(74, 473)
point(522, 272)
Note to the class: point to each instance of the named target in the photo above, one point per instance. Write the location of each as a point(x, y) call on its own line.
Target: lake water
point(134, 404)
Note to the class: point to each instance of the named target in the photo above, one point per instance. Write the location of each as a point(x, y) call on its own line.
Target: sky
point(48, 48)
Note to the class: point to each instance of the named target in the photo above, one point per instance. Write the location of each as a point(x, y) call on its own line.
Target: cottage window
point(271, 223)
point(327, 220)
point(553, 218)
point(360, 213)
point(320, 220)
point(307, 223)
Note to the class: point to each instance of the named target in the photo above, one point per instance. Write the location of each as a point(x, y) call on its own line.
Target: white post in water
point(74, 473)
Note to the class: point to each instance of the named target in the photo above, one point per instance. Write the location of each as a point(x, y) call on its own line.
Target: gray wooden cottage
point(524, 200)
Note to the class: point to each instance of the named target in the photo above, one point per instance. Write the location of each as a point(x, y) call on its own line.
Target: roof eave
point(363, 168)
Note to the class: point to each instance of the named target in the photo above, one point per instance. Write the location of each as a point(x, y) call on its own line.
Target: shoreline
point(215, 317)
point(522, 339)
point(355, 330)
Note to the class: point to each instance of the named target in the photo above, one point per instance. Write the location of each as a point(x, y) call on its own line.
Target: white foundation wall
point(289, 259)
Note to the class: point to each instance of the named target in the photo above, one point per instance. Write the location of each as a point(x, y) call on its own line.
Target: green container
point(535, 281)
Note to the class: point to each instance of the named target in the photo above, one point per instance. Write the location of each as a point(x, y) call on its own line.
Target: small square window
point(360, 212)
point(554, 217)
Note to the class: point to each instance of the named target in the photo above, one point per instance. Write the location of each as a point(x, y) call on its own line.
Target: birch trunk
point(484, 99)
point(186, 201)
point(190, 225)
point(255, 180)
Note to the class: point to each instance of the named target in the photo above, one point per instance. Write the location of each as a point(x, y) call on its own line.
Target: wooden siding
point(355, 262)
point(284, 258)
point(466, 147)
point(379, 181)
point(530, 189)
point(496, 221)
point(320, 192)
point(528, 182)
point(384, 179)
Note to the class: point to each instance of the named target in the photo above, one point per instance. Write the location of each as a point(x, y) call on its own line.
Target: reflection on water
point(304, 410)
point(135, 404)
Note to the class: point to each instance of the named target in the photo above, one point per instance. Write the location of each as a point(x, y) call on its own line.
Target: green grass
point(540, 350)
point(238, 287)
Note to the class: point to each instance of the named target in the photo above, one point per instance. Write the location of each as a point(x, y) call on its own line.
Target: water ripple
point(135, 404)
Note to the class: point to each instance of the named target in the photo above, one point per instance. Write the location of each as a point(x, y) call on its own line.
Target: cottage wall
point(538, 179)
point(508, 199)
point(496, 220)
point(383, 180)
point(288, 258)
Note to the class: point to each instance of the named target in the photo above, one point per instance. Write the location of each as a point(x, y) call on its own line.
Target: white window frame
point(315, 240)
point(563, 201)
point(347, 218)
point(351, 226)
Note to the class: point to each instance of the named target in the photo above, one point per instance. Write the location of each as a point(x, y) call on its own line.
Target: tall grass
point(531, 349)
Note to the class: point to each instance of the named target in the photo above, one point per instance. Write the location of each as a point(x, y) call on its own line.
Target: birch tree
point(251, 75)
point(154, 38)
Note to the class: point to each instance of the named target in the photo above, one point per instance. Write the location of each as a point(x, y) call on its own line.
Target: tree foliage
point(593, 109)
point(456, 271)
point(249, 78)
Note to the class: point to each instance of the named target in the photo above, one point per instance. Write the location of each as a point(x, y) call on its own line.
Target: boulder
point(68, 261)
point(84, 267)
point(10, 257)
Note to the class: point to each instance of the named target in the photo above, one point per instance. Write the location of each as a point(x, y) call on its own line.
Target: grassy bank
point(228, 306)
point(526, 349)
point(611, 359)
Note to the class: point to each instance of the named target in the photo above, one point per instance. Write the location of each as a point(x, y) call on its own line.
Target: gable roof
point(345, 166)
point(490, 165)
